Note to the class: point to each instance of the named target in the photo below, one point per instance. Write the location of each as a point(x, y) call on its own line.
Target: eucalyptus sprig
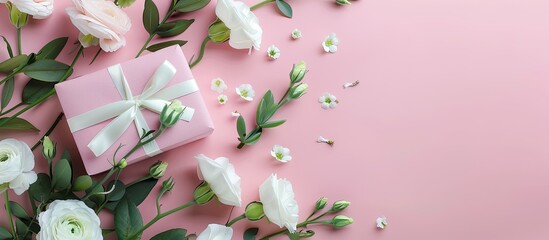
point(165, 28)
point(267, 107)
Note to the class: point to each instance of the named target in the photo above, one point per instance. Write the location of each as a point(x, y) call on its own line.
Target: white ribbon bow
point(154, 97)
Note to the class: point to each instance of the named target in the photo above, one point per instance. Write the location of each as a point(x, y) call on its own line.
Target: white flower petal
point(216, 232)
point(69, 219)
point(222, 178)
point(23, 182)
point(279, 202)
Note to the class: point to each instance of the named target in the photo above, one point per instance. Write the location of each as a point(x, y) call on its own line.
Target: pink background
point(446, 134)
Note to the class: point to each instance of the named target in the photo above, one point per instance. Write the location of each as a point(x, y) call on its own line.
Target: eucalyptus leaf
point(52, 49)
point(174, 28)
point(259, 112)
point(251, 233)
point(17, 124)
point(139, 191)
point(173, 234)
point(241, 127)
point(190, 5)
point(5, 234)
point(47, 70)
point(118, 191)
point(7, 92)
point(272, 124)
point(18, 211)
point(8, 47)
point(40, 190)
point(252, 139)
point(127, 219)
point(35, 90)
point(284, 8)
point(150, 16)
point(12, 63)
point(158, 46)
point(62, 175)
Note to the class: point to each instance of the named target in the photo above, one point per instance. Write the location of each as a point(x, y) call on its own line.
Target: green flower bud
point(339, 206)
point(321, 203)
point(298, 72)
point(219, 32)
point(125, 3)
point(10, 64)
point(254, 211)
point(298, 91)
point(82, 183)
point(17, 18)
point(203, 193)
point(48, 148)
point(168, 184)
point(341, 221)
point(343, 2)
point(158, 169)
point(171, 113)
point(122, 164)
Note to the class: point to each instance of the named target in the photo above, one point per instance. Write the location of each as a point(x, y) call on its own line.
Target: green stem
point(19, 51)
point(236, 219)
point(12, 74)
point(151, 35)
point(100, 183)
point(255, 130)
point(12, 108)
point(303, 224)
point(201, 54)
point(50, 130)
point(254, 7)
point(8, 212)
point(150, 139)
point(160, 216)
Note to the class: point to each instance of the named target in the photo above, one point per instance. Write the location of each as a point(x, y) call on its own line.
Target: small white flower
point(218, 85)
point(246, 92)
point(328, 101)
point(381, 222)
point(330, 43)
point(235, 114)
point(296, 34)
point(273, 52)
point(281, 153)
point(221, 177)
point(222, 99)
point(216, 232)
point(69, 219)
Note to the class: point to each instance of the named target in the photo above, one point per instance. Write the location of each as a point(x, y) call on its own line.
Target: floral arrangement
point(65, 206)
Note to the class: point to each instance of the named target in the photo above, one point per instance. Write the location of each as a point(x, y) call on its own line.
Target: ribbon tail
point(112, 132)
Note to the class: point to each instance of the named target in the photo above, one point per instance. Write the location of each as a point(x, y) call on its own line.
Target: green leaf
point(250, 233)
point(272, 124)
point(264, 108)
point(12, 63)
point(18, 211)
point(8, 47)
point(241, 127)
point(7, 92)
point(98, 199)
point(17, 124)
point(118, 192)
point(158, 46)
point(46, 70)
point(5, 234)
point(20, 226)
point(62, 175)
point(284, 8)
point(139, 191)
point(35, 90)
point(40, 190)
point(173, 234)
point(52, 49)
point(190, 5)
point(174, 28)
point(253, 138)
point(150, 16)
point(127, 219)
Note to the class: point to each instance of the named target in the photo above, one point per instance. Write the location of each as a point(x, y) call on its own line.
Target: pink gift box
point(97, 89)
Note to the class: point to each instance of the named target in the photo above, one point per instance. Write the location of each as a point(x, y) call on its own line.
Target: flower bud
point(17, 18)
point(125, 3)
point(82, 183)
point(219, 32)
point(122, 164)
point(298, 91)
point(339, 206)
point(321, 203)
point(341, 221)
point(10, 64)
point(203, 193)
point(48, 148)
point(298, 72)
point(158, 169)
point(171, 113)
point(254, 211)
point(343, 2)
point(168, 184)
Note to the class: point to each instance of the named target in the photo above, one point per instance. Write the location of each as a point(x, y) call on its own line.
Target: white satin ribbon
point(154, 97)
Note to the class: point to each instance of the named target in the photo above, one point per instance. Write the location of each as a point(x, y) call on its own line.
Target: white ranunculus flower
point(245, 30)
point(101, 19)
point(16, 164)
point(222, 178)
point(67, 220)
point(38, 9)
point(279, 202)
point(216, 232)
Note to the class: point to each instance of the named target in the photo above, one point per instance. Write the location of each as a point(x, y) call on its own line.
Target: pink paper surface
point(447, 133)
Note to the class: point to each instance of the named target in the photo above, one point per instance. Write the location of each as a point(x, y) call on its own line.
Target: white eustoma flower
point(273, 52)
point(296, 34)
point(330, 43)
point(246, 92)
point(381, 222)
point(38, 9)
point(279, 202)
point(328, 101)
point(218, 85)
point(16, 165)
point(281, 153)
point(244, 25)
point(67, 220)
point(222, 99)
point(222, 178)
point(101, 19)
point(216, 232)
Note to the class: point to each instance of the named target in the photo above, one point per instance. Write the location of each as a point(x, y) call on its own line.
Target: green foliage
point(35, 90)
point(190, 5)
point(47, 70)
point(174, 28)
point(127, 219)
point(251, 233)
point(17, 124)
point(173, 234)
point(11, 64)
point(150, 17)
point(62, 175)
point(241, 127)
point(7, 92)
point(40, 190)
point(158, 46)
point(284, 8)
point(52, 49)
